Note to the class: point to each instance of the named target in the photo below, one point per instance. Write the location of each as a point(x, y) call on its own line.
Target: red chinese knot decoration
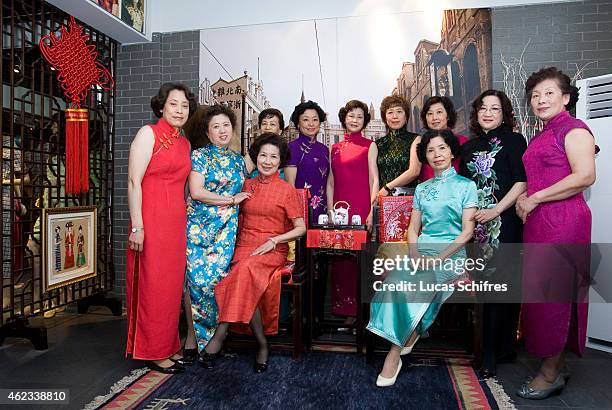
point(78, 70)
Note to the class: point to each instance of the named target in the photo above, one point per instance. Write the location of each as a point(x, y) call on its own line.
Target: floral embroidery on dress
point(431, 193)
point(484, 175)
point(315, 201)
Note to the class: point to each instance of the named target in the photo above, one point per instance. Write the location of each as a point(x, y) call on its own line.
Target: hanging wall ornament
point(78, 70)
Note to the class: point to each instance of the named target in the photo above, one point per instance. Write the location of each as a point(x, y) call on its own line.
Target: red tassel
point(77, 150)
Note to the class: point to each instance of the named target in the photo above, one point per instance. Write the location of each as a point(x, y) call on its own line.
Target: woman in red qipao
point(261, 248)
point(159, 165)
point(353, 179)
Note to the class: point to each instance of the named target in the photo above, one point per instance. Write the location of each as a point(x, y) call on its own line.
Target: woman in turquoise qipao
point(215, 186)
point(443, 213)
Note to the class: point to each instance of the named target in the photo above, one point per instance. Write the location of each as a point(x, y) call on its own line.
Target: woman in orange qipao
point(261, 248)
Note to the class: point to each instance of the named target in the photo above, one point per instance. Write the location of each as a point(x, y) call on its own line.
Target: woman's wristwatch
point(135, 229)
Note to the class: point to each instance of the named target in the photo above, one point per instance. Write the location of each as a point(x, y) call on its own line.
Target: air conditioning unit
point(595, 108)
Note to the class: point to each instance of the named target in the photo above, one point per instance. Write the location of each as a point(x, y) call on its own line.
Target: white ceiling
point(181, 15)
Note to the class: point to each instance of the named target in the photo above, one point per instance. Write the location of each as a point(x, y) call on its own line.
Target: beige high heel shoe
point(408, 349)
point(386, 382)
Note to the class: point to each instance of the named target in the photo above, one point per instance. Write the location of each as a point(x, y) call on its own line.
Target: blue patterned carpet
point(319, 380)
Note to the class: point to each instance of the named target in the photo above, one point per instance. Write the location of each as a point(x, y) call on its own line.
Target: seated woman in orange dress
point(261, 248)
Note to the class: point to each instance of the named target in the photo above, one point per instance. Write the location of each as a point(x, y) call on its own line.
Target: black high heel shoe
point(189, 357)
point(261, 367)
point(174, 369)
point(207, 360)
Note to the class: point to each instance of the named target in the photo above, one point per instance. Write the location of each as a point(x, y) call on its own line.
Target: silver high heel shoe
point(565, 373)
point(385, 382)
point(530, 393)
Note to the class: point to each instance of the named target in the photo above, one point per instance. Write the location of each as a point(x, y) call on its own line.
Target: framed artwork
point(133, 14)
point(69, 245)
point(112, 6)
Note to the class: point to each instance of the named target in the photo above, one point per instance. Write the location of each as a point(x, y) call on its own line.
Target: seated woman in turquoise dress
point(442, 222)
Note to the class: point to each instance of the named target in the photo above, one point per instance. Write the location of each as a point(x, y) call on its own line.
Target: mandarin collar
point(500, 129)
point(218, 149)
point(563, 115)
point(446, 174)
point(352, 137)
point(165, 127)
point(306, 140)
point(401, 133)
point(267, 179)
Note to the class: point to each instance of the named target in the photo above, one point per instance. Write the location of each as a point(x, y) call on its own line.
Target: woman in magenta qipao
point(354, 179)
point(560, 165)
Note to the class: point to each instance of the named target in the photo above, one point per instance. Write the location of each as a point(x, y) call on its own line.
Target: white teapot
point(341, 214)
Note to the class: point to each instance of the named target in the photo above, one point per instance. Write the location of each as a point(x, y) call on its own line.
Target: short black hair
point(217, 109)
point(270, 113)
point(448, 107)
point(351, 105)
point(450, 139)
point(563, 80)
point(272, 139)
point(506, 106)
point(308, 105)
point(158, 101)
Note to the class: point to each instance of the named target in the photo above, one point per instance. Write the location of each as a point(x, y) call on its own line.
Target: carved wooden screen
point(33, 158)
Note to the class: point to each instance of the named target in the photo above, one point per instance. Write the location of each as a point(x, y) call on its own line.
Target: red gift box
point(348, 239)
point(394, 217)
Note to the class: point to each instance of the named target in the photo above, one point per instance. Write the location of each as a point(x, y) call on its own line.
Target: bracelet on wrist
point(273, 241)
point(233, 201)
point(389, 190)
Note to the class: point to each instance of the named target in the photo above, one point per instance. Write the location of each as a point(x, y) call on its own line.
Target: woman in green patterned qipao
point(398, 165)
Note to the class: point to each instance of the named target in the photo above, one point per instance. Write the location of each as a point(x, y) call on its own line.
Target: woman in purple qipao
point(308, 166)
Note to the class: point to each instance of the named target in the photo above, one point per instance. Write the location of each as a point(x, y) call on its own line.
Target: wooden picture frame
point(69, 245)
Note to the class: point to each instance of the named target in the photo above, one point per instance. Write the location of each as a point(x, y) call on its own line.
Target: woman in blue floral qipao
point(215, 186)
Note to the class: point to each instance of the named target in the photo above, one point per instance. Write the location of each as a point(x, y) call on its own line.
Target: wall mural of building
point(245, 98)
point(458, 67)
